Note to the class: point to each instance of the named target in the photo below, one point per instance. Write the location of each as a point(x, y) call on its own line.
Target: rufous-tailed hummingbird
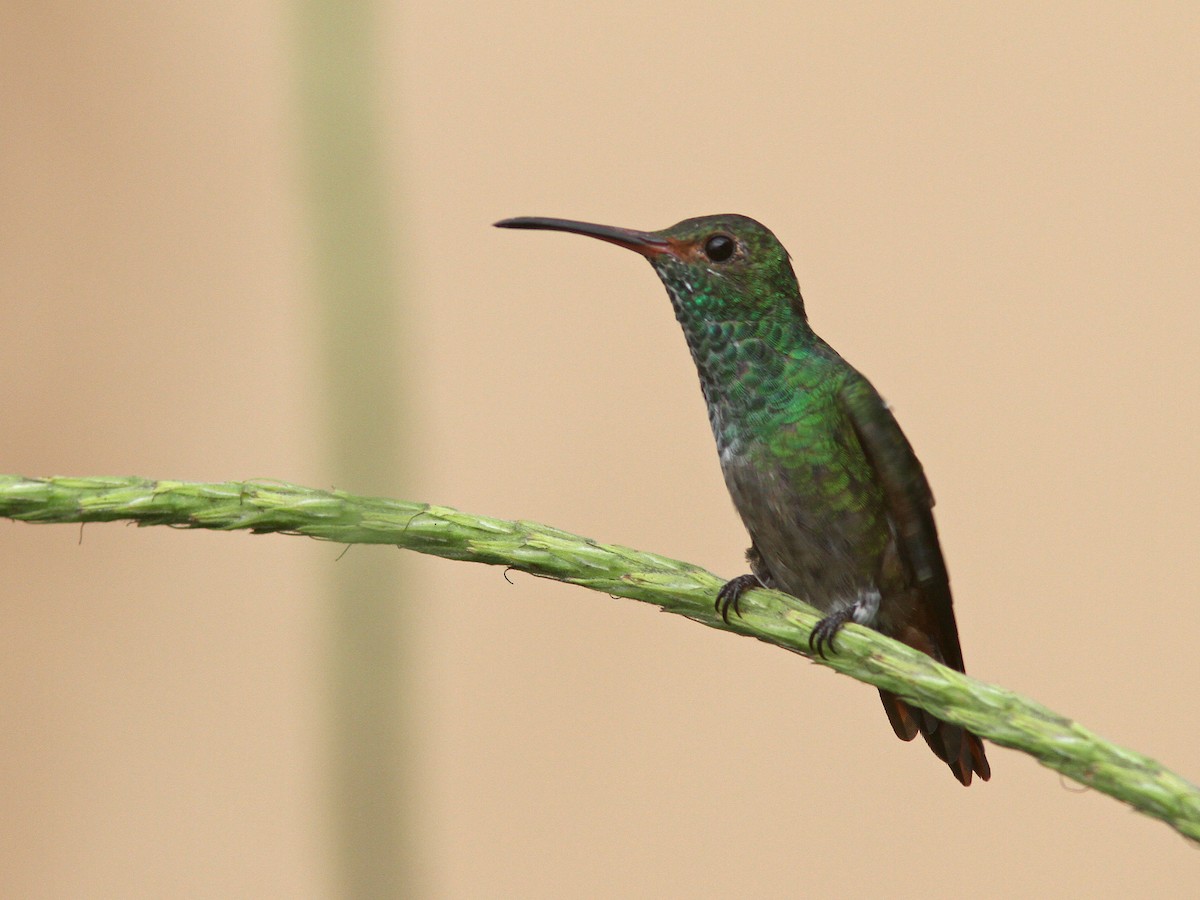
point(836, 503)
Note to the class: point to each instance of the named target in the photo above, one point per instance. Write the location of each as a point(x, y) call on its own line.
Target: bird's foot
point(730, 595)
point(862, 611)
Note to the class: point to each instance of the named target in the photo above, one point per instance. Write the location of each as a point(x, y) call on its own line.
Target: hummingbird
point(837, 505)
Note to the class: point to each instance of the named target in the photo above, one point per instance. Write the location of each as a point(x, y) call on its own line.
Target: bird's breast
point(814, 512)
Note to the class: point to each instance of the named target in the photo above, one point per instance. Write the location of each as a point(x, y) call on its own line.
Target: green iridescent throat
point(759, 366)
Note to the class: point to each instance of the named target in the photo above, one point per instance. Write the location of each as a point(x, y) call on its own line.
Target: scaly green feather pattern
point(771, 386)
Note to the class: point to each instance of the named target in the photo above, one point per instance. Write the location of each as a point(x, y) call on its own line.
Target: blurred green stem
point(358, 301)
point(998, 715)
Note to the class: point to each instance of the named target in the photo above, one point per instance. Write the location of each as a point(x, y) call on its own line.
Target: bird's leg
point(862, 611)
point(730, 594)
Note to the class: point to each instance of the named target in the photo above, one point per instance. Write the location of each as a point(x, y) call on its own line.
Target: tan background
point(995, 215)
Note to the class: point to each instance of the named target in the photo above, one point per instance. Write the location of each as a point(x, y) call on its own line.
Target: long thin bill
point(642, 242)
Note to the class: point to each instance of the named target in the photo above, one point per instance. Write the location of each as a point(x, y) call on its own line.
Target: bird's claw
point(730, 595)
point(826, 630)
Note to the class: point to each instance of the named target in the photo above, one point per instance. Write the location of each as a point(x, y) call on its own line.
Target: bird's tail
point(953, 745)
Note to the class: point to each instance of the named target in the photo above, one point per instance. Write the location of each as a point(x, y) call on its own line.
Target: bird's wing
point(910, 508)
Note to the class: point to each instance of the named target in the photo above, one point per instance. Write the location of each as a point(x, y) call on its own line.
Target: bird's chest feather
point(810, 501)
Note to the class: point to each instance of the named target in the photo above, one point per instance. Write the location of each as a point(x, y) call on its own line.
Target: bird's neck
point(751, 371)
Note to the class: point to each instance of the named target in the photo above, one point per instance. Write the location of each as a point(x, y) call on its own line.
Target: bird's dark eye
point(719, 247)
